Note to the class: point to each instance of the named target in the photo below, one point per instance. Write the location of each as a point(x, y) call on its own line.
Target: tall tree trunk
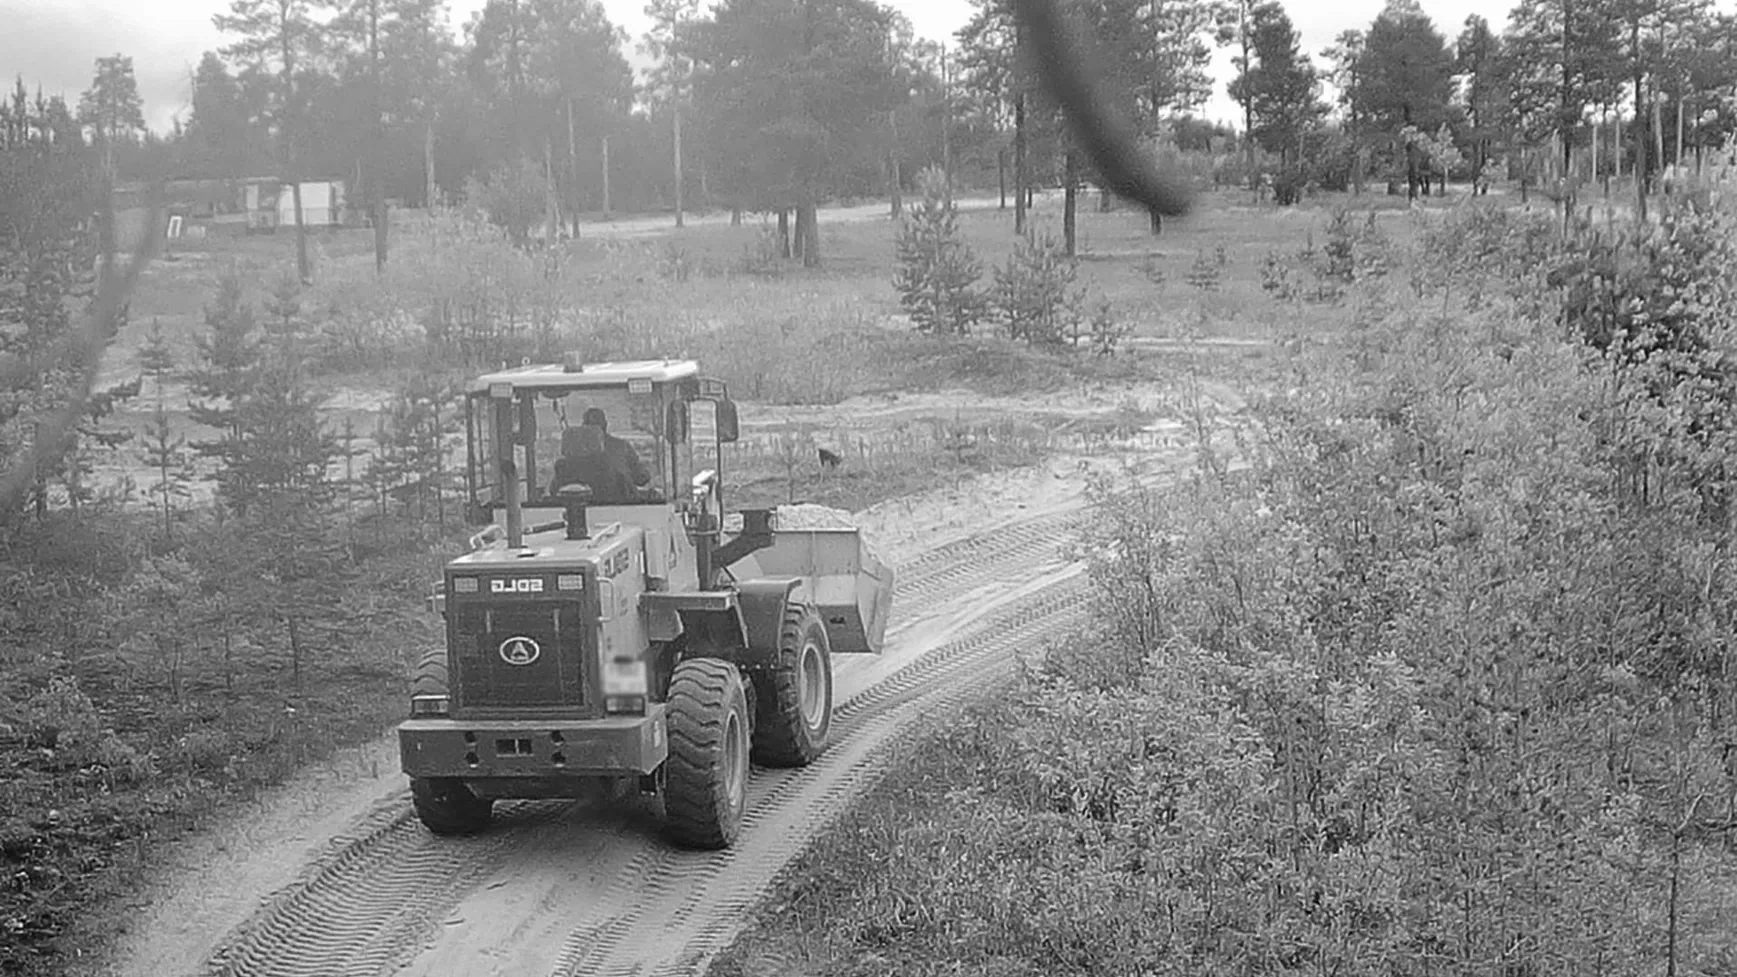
point(1616, 146)
point(1567, 91)
point(572, 169)
point(675, 112)
point(1658, 132)
point(1001, 177)
point(1597, 134)
point(784, 232)
point(607, 203)
point(1070, 203)
point(1019, 163)
point(304, 264)
point(431, 190)
point(1678, 159)
point(895, 179)
point(551, 203)
point(808, 230)
point(378, 163)
point(1245, 11)
point(946, 129)
point(1640, 143)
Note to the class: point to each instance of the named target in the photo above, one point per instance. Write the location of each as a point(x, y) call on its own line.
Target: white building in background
point(270, 204)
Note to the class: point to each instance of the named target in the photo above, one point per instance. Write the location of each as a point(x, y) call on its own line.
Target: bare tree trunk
point(1658, 132)
point(946, 128)
point(784, 232)
point(675, 111)
point(606, 202)
point(378, 163)
point(1001, 177)
point(894, 177)
point(1019, 163)
point(304, 264)
point(808, 231)
point(431, 191)
point(1070, 203)
point(551, 203)
point(1678, 160)
point(1597, 133)
point(1640, 143)
point(572, 200)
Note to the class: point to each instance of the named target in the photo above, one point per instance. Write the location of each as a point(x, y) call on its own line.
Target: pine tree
point(229, 360)
point(167, 453)
point(937, 272)
point(1035, 296)
point(157, 358)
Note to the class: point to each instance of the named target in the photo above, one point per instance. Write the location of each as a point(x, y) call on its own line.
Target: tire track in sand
point(387, 887)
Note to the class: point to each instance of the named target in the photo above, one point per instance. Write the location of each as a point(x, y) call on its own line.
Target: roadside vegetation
point(1425, 669)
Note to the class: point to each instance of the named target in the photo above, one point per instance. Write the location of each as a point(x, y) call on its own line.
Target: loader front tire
point(706, 774)
point(446, 806)
point(795, 695)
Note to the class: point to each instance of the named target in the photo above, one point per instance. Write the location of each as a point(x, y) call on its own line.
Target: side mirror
point(728, 432)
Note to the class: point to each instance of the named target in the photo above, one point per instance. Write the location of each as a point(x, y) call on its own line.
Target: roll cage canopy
point(673, 418)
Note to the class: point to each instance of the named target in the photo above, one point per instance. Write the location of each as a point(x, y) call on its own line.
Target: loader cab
point(520, 423)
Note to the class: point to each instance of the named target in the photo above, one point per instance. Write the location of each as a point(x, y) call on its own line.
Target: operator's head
point(594, 417)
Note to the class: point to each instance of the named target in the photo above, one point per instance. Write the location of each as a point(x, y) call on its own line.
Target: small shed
point(322, 204)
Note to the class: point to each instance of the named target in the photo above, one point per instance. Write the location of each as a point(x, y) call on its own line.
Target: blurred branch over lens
point(1059, 48)
point(82, 350)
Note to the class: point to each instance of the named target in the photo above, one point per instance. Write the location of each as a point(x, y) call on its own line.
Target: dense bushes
point(1423, 685)
point(1469, 684)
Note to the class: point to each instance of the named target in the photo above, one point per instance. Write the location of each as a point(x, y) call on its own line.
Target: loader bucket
point(852, 588)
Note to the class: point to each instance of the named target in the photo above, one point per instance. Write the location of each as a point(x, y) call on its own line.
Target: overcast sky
point(55, 43)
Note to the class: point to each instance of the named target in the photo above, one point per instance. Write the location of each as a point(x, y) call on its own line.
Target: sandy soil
point(219, 880)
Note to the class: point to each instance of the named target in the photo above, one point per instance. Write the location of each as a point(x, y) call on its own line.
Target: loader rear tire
point(706, 774)
point(429, 677)
point(446, 806)
point(795, 694)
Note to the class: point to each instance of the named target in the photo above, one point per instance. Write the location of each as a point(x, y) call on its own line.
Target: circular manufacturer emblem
point(520, 651)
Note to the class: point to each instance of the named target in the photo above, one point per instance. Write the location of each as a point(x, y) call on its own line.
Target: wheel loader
point(605, 634)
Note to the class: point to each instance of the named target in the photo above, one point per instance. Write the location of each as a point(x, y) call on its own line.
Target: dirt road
point(335, 875)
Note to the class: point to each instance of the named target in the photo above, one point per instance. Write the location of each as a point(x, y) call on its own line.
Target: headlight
point(430, 705)
point(624, 675)
point(630, 704)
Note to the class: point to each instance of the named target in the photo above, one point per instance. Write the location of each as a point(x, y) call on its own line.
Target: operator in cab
point(590, 455)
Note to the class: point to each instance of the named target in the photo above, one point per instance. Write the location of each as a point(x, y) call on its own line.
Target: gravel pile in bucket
point(806, 515)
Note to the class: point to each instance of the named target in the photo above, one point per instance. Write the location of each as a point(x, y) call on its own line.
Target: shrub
point(1035, 297)
point(514, 196)
point(937, 272)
